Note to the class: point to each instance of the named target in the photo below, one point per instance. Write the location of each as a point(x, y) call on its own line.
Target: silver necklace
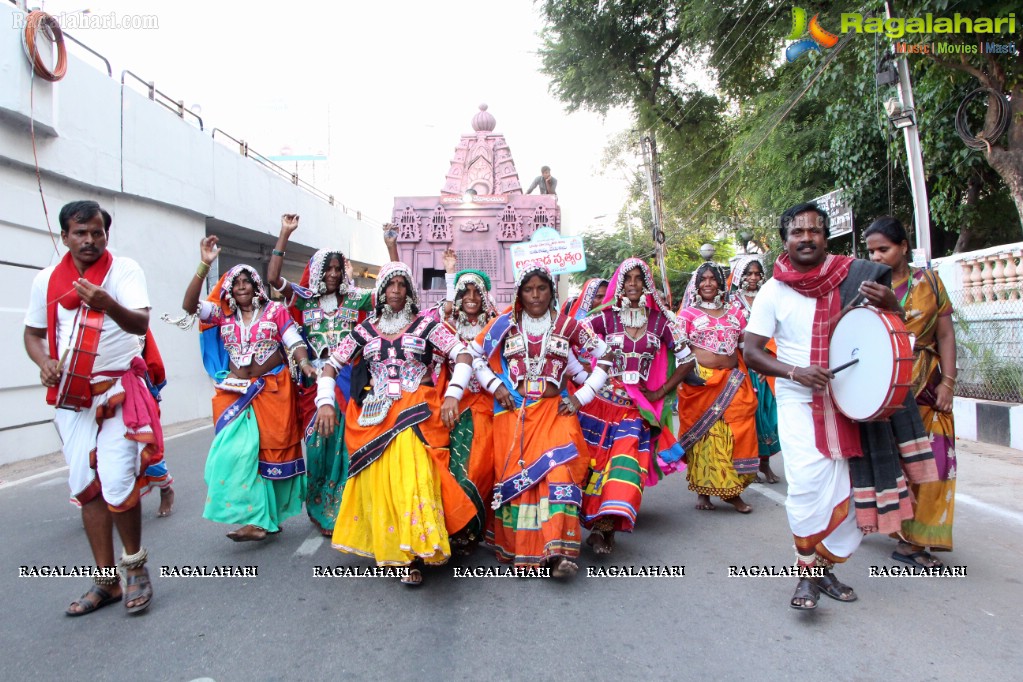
point(328, 303)
point(716, 304)
point(391, 322)
point(535, 326)
point(632, 318)
point(467, 331)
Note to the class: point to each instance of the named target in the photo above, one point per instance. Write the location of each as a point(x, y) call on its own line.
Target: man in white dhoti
point(115, 434)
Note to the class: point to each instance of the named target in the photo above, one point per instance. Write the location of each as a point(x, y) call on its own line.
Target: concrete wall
point(161, 178)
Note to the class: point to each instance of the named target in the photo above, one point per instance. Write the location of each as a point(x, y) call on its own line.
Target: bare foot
point(603, 543)
point(739, 504)
point(765, 469)
point(166, 502)
point(703, 503)
point(563, 568)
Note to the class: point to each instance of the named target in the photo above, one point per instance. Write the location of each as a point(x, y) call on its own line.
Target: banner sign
point(559, 253)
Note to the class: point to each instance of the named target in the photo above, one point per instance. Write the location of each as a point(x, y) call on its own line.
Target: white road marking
point(762, 489)
point(310, 544)
point(28, 479)
point(188, 433)
point(971, 501)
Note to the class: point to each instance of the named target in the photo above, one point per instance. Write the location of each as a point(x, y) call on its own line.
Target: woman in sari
point(539, 450)
point(622, 424)
point(401, 502)
point(326, 308)
point(929, 319)
point(743, 284)
point(468, 308)
point(717, 425)
point(255, 473)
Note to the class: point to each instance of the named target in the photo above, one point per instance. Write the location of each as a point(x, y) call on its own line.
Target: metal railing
point(989, 344)
point(165, 100)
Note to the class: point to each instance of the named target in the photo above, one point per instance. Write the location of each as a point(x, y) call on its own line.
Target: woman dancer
point(468, 309)
point(717, 419)
point(622, 424)
point(326, 308)
point(254, 472)
point(539, 450)
point(929, 319)
point(401, 502)
point(744, 282)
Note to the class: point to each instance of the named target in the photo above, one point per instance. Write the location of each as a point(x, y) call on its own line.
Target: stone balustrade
point(993, 277)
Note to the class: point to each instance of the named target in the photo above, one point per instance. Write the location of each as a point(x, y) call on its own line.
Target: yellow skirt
point(709, 464)
point(392, 510)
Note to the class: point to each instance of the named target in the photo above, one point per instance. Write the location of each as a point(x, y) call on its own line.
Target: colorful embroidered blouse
point(325, 324)
point(632, 358)
point(568, 334)
point(719, 335)
point(397, 365)
point(255, 343)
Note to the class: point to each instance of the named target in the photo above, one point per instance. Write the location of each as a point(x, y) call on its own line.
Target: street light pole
point(917, 184)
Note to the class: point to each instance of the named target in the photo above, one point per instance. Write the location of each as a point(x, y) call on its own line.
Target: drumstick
point(60, 364)
point(836, 370)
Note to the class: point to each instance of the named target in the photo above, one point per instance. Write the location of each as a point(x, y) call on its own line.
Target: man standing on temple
point(547, 183)
point(87, 313)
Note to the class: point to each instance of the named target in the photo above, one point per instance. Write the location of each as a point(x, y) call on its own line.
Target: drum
point(876, 386)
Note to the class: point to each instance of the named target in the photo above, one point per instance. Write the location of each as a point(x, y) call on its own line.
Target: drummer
point(824, 464)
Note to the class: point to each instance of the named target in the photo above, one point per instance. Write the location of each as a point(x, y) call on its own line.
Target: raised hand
point(289, 223)
point(208, 249)
point(450, 261)
point(390, 234)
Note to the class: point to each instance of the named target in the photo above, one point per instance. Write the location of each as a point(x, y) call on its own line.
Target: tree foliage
point(742, 134)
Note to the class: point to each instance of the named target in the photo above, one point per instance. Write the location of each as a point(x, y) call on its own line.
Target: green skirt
point(236, 493)
point(327, 469)
point(766, 417)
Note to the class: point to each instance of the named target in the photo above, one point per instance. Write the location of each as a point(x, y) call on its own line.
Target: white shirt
point(781, 312)
point(126, 283)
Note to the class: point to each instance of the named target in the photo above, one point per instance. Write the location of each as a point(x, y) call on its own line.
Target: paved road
point(287, 625)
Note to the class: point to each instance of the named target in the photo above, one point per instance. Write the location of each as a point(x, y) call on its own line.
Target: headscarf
point(738, 272)
point(221, 293)
point(692, 297)
point(527, 271)
point(653, 301)
point(312, 283)
point(215, 358)
point(388, 272)
point(482, 282)
point(581, 308)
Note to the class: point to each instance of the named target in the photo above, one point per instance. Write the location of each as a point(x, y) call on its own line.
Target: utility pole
point(917, 184)
point(653, 184)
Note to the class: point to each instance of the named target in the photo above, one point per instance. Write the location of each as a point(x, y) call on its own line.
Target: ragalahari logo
point(818, 36)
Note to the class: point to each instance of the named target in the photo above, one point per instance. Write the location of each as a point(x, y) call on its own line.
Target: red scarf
point(837, 436)
point(61, 290)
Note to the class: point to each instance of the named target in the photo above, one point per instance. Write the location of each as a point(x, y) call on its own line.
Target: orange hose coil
point(36, 20)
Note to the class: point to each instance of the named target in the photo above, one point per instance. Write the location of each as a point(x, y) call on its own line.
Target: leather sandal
point(138, 587)
point(835, 588)
point(104, 599)
point(248, 533)
point(807, 589)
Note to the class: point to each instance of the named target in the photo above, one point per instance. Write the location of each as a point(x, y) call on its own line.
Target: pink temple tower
point(480, 212)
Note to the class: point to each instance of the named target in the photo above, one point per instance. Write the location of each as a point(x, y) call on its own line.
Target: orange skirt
point(540, 463)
